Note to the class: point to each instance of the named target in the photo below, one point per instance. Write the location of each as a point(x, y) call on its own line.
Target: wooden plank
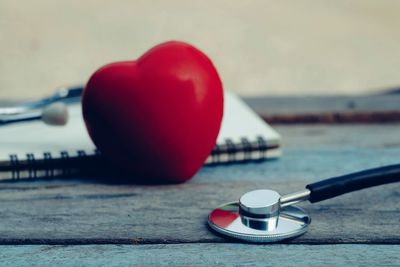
point(334, 117)
point(91, 212)
point(321, 104)
point(201, 254)
point(334, 109)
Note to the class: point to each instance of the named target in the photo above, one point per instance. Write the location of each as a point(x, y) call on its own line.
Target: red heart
point(157, 117)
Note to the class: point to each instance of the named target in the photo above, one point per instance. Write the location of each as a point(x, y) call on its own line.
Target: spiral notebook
point(35, 150)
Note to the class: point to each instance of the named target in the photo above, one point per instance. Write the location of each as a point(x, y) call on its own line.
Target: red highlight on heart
point(157, 117)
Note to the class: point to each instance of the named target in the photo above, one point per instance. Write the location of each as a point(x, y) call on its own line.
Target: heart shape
point(157, 117)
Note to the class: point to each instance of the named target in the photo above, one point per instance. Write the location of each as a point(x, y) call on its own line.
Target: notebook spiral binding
point(243, 151)
point(49, 165)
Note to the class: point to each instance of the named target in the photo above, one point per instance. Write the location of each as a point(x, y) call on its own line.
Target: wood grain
point(202, 255)
point(91, 212)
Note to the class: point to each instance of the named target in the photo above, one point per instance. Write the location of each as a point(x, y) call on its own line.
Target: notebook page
point(240, 121)
point(35, 137)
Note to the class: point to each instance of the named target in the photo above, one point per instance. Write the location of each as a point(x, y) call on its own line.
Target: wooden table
point(79, 222)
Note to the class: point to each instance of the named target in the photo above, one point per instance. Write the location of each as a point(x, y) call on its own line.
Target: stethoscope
point(264, 216)
point(52, 110)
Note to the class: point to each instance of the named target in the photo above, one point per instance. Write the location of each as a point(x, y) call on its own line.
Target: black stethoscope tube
point(336, 186)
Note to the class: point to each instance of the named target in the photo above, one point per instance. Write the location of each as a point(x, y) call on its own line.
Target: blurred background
point(261, 48)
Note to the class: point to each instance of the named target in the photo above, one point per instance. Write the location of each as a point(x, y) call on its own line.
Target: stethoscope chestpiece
point(264, 216)
point(259, 217)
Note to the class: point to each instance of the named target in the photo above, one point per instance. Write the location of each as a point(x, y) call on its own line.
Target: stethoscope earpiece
point(55, 114)
point(52, 110)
